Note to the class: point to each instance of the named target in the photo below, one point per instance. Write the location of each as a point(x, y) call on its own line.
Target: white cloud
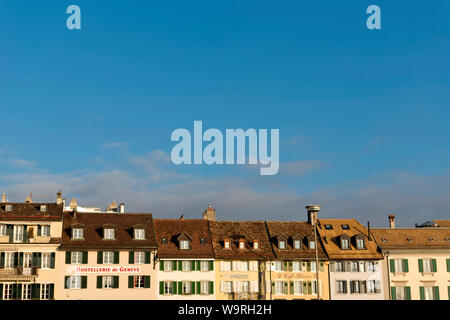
point(114, 144)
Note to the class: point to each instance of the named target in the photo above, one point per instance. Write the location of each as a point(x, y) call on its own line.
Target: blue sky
point(363, 114)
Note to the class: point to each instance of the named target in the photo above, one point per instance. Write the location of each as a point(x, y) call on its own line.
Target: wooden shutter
point(99, 282)
point(433, 265)
point(161, 265)
point(131, 257)
point(83, 282)
point(422, 293)
point(16, 259)
point(146, 281)
point(2, 265)
point(39, 230)
point(35, 291)
point(115, 282)
point(116, 257)
point(85, 257)
point(393, 294)
point(420, 265)
point(405, 265)
point(21, 259)
point(52, 291)
point(66, 282)
point(147, 257)
point(211, 287)
point(392, 265)
point(408, 293)
point(436, 293)
point(100, 257)
point(211, 265)
point(131, 282)
point(52, 260)
point(68, 257)
point(161, 287)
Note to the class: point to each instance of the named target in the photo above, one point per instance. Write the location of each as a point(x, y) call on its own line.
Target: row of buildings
point(54, 251)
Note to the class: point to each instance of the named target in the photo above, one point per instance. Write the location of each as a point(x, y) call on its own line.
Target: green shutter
point(422, 293)
point(433, 265)
point(99, 282)
point(448, 288)
point(52, 291)
point(180, 265)
point(285, 287)
point(408, 293)
point(273, 287)
point(180, 287)
point(393, 294)
point(308, 266)
point(115, 282)
point(161, 265)
point(285, 266)
point(2, 264)
point(116, 257)
point(198, 287)
point(321, 266)
point(291, 287)
point(405, 265)
point(420, 265)
point(39, 259)
point(392, 265)
point(198, 267)
point(100, 257)
point(19, 291)
point(147, 257)
point(436, 293)
point(161, 287)
point(290, 265)
point(66, 282)
point(211, 287)
point(131, 282)
point(83, 282)
point(85, 257)
point(52, 260)
point(174, 265)
point(211, 265)
point(68, 258)
point(35, 290)
point(14, 291)
point(21, 259)
point(34, 260)
point(146, 281)
point(131, 257)
point(448, 265)
point(193, 287)
point(16, 259)
point(193, 265)
point(309, 287)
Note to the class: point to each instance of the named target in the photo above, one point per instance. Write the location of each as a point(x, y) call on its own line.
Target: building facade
point(417, 262)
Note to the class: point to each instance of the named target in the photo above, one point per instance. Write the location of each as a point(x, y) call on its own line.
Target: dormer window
point(139, 234)
point(202, 241)
point(164, 240)
point(43, 208)
point(282, 244)
point(312, 244)
point(256, 244)
point(9, 207)
point(108, 234)
point(360, 243)
point(184, 244)
point(77, 233)
point(345, 244)
point(345, 227)
point(226, 244)
point(241, 244)
point(297, 244)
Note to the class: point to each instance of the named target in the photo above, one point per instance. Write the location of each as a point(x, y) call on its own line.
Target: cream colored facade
point(91, 288)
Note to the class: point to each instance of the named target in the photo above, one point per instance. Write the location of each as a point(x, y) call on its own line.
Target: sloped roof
point(443, 223)
point(194, 229)
point(330, 240)
point(236, 230)
point(291, 229)
point(413, 238)
point(31, 212)
point(93, 223)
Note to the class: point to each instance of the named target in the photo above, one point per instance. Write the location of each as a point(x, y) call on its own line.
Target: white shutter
point(268, 286)
point(362, 266)
point(234, 266)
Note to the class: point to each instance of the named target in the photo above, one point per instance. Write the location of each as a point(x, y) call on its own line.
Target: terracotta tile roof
point(331, 240)
point(443, 223)
point(292, 229)
point(93, 222)
point(413, 238)
point(30, 212)
point(192, 229)
point(235, 230)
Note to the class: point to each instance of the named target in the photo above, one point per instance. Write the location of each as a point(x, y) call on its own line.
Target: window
point(45, 231)
point(18, 233)
point(243, 265)
point(313, 266)
point(108, 234)
point(278, 265)
point(187, 287)
point(344, 244)
point(279, 287)
point(139, 257)
point(202, 241)
point(328, 227)
point(7, 291)
point(256, 245)
point(139, 234)
point(314, 287)
point(312, 244)
point(184, 244)
point(164, 240)
point(339, 266)
point(169, 287)
point(374, 286)
point(227, 286)
point(77, 233)
point(107, 282)
point(168, 265)
point(43, 207)
point(27, 259)
point(108, 257)
point(370, 266)
point(360, 244)
point(138, 282)
point(341, 286)
point(26, 291)
point(345, 227)
point(355, 287)
point(400, 293)
point(227, 244)
point(46, 260)
point(225, 265)
point(282, 244)
point(297, 244)
point(9, 207)
point(204, 265)
point(298, 287)
point(245, 286)
point(2, 229)
point(75, 282)
point(427, 265)
point(241, 244)
point(9, 259)
point(428, 293)
point(354, 266)
point(76, 257)
point(398, 265)
point(296, 266)
point(186, 265)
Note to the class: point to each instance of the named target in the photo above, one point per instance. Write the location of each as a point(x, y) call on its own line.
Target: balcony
point(19, 273)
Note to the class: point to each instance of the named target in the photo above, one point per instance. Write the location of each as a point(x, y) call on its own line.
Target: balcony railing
point(19, 272)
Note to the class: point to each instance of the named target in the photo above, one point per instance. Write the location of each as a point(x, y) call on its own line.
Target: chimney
point(64, 203)
point(112, 207)
point(210, 213)
point(3, 197)
point(122, 207)
point(369, 237)
point(313, 210)
point(29, 199)
point(73, 204)
point(391, 221)
point(59, 198)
